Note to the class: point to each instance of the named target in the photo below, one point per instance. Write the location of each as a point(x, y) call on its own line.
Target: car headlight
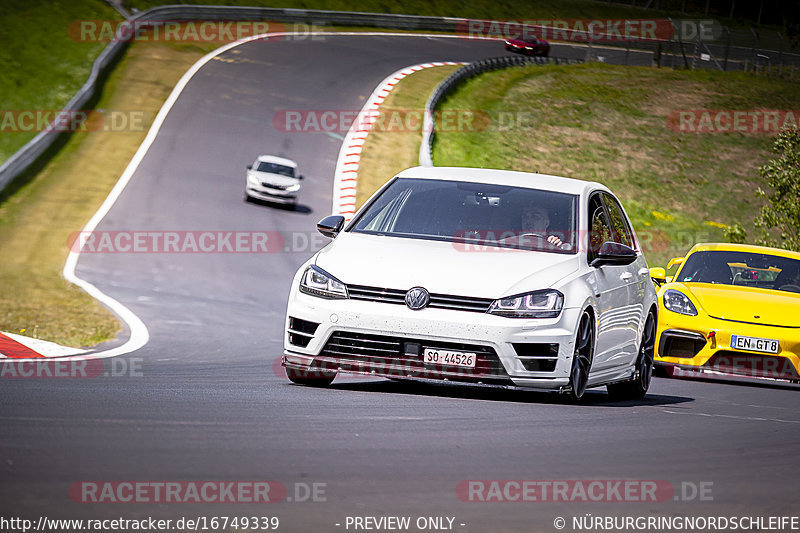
point(538, 304)
point(317, 282)
point(252, 178)
point(677, 302)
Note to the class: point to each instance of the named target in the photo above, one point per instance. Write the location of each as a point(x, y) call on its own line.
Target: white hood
point(441, 267)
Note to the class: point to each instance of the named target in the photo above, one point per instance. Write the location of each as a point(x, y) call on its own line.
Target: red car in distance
point(531, 46)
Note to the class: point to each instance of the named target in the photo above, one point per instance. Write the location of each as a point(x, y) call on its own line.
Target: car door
point(635, 276)
point(610, 284)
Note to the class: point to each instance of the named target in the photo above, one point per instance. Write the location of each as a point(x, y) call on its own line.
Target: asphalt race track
point(209, 402)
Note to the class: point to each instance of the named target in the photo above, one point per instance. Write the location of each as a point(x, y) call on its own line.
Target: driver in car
point(536, 221)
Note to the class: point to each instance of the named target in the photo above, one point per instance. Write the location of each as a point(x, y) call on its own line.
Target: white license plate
point(754, 344)
point(448, 357)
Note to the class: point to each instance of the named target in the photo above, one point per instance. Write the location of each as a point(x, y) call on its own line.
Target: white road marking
point(734, 417)
point(345, 180)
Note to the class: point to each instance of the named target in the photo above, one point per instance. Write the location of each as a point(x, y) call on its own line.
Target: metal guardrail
point(28, 155)
point(468, 71)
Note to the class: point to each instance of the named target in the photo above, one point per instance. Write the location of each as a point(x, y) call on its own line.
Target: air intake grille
point(275, 186)
point(437, 301)
point(537, 357)
point(301, 331)
point(376, 352)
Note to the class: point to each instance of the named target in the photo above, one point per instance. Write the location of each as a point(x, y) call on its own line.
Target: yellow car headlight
point(677, 302)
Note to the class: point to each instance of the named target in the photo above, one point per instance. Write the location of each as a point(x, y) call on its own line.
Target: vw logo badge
point(417, 298)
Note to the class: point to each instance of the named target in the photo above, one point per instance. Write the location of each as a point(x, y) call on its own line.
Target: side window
point(619, 224)
point(599, 229)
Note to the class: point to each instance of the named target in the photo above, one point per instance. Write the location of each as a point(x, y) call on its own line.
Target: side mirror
point(331, 226)
point(658, 275)
point(301, 177)
point(614, 253)
point(249, 167)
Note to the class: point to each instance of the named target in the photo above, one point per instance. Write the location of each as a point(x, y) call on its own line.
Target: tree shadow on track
point(593, 397)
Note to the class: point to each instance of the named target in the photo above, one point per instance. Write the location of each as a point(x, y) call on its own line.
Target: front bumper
point(684, 342)
point(271, 195)
point(387, 340)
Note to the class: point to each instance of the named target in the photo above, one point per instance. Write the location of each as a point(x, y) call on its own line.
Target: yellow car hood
point(746, 304)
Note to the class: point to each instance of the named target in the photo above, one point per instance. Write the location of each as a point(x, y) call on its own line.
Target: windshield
point(275, 168)
point(475, 213)
point(746, 269)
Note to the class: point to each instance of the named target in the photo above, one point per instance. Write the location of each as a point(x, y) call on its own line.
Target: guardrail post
point(589, 50)
point(727, 47)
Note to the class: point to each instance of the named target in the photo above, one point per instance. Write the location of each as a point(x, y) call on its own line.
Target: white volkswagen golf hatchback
point(482, 276)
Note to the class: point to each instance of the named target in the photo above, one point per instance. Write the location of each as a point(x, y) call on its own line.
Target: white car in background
point(273, 179)
point(438, 277)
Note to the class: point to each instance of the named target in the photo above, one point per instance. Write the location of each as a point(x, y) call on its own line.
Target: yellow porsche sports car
point(730, 309)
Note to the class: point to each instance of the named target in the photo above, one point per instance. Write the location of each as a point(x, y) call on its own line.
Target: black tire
point(581, 359)
point(313, 377)
point(636, 388)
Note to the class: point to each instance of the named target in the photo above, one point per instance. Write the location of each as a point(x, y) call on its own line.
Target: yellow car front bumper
point(704, 343)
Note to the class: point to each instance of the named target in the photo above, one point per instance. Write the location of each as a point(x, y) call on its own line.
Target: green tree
point(736, 233)
point(781, 215)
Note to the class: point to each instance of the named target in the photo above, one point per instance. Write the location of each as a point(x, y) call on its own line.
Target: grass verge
point(36, 221)
point(43, 65)
point(609, 124)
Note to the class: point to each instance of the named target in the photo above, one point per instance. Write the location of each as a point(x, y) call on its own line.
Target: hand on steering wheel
point(555, 241)
point(552, 239)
